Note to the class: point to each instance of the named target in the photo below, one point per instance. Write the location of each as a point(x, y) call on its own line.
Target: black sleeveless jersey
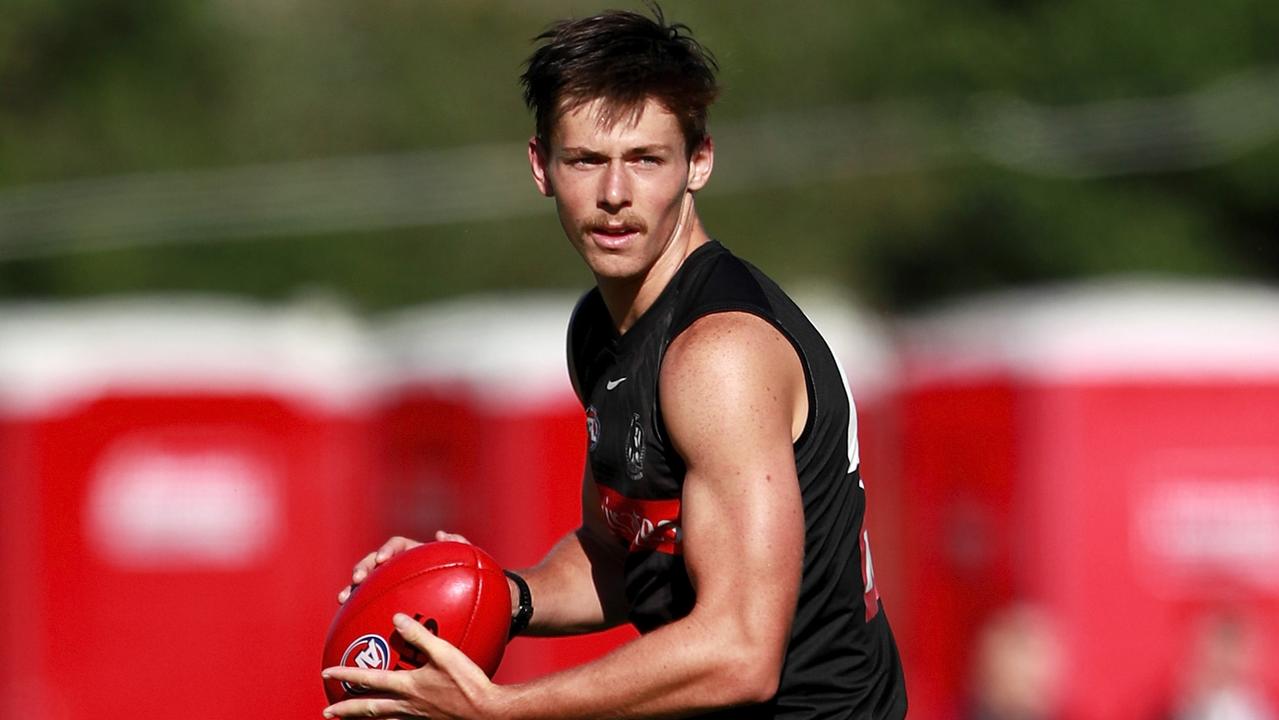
point(841, 661)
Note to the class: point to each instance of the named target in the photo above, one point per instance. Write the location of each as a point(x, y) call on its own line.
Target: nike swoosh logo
point(614, 383)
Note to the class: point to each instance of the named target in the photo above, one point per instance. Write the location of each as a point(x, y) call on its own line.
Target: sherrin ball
point(457, 591)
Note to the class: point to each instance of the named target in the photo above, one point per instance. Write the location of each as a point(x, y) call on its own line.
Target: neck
point(629, 298)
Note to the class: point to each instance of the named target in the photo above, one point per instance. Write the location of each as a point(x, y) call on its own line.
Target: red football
point(456, 590)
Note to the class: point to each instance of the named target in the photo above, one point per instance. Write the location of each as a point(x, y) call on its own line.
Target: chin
point(613, 270)
point(614, 266)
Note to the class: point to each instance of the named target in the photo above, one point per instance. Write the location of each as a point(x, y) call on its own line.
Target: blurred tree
point(90, 87)
point(921, 206)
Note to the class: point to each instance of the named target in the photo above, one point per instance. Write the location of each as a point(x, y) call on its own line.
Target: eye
point(650, 160)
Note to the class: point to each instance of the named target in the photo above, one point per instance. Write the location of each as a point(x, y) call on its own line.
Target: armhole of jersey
point(571, 348)
point(573, 377)
point(810, 387)
point(854, 447)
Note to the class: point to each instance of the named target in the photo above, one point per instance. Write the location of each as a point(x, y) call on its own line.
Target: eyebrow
point(641, 150)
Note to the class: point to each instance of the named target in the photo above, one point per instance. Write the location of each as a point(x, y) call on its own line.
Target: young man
point(722, 504)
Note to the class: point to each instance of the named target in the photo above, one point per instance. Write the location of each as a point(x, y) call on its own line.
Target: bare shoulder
point(731, 367)
point(721, 341)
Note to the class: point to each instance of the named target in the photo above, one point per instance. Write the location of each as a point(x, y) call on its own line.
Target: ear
point(700, 165)
point(539, 160)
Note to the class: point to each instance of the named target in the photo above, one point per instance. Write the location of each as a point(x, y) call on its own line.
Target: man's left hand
point(449, 685)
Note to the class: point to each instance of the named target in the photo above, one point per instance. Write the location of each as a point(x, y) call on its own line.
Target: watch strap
point(524, 612)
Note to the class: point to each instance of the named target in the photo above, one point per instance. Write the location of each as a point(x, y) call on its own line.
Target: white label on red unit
point(1204, 530)
point(165, 505)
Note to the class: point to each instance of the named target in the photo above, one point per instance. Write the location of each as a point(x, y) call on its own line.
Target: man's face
point(620, 191)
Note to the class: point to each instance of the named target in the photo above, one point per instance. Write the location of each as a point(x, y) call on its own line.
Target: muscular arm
point(577, 588)
point(733, 399)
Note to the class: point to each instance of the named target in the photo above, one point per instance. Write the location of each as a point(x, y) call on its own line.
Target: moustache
point(616, 223)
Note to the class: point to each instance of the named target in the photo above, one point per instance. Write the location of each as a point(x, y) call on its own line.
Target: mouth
point(613, 237)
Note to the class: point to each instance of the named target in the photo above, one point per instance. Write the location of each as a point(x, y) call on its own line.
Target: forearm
point(576, 588)
point(685, 668)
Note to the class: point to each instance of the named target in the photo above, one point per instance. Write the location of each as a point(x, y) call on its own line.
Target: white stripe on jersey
point(854, 454)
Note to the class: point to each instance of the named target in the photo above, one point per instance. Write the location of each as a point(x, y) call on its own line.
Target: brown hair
point(623, 58)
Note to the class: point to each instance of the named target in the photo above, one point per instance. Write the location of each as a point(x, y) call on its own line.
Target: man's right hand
point(389, 549)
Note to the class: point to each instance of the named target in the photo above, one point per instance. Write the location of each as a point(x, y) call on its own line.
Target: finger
point(395, 545)
point(383, 681)
point(442, 536)
point(344, 593)
point(366, 708)
point(437, 649)
point(362, 568)
point(372, 680)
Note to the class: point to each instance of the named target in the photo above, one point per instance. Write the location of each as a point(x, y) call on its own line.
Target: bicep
point(743, 544)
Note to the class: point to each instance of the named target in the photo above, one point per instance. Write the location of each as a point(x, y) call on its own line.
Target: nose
point(615, 190)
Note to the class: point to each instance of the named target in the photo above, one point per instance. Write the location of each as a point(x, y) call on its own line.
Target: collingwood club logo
point(635, 448)
point(369, 652)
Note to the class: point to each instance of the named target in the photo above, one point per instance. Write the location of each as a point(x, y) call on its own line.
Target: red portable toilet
point(484, 436)
point(1110, 454)
point(184, 496)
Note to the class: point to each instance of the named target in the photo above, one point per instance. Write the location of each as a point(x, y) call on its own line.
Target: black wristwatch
point(524, 612)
